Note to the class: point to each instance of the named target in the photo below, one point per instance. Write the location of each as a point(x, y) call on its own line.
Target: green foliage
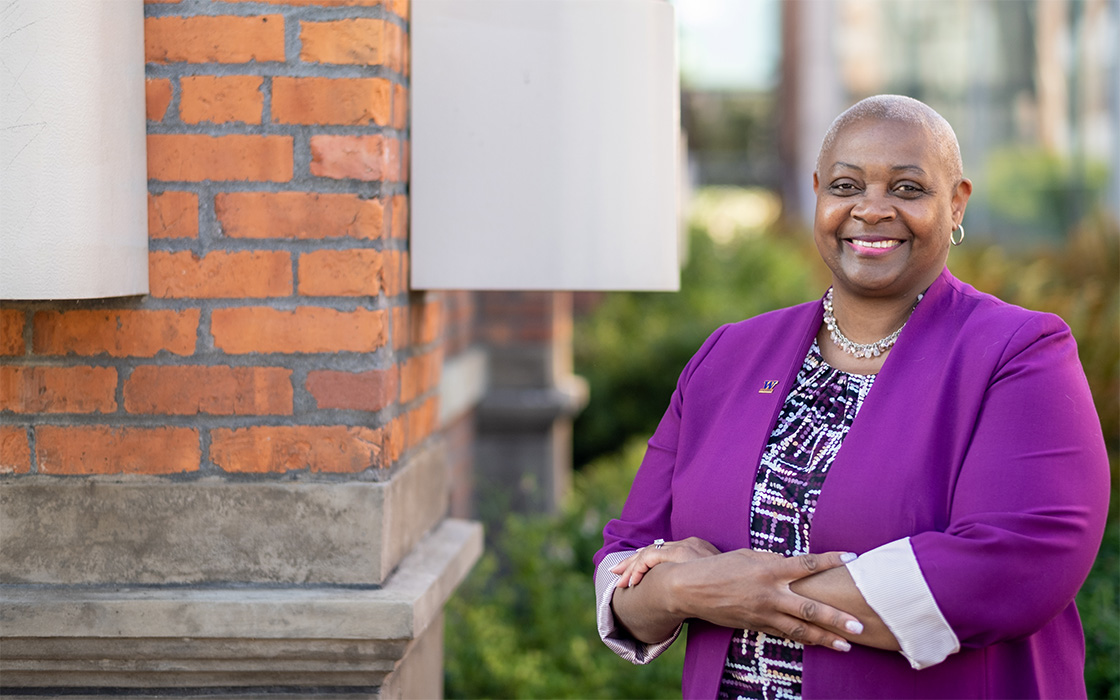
point(1041, 190)
point(632, 349)
point(1099, 605)
point(523, 624)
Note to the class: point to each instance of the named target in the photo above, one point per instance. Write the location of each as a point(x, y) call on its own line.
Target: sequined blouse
point(813, 422)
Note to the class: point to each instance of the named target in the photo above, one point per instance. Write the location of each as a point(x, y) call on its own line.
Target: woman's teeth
point(874, 244)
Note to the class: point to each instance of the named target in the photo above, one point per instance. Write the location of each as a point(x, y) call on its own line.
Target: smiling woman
point(884, 216)
point(885, 420)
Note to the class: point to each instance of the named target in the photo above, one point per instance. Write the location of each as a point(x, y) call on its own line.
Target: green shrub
point(523, 624)
point(632, 349)
point(1099, 605)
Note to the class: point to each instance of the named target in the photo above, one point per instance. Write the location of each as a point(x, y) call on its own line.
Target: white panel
point(544, 144)
point(73, 171)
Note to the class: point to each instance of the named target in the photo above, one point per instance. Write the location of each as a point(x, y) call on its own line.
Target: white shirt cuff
point(616, 638)
point(893, 585)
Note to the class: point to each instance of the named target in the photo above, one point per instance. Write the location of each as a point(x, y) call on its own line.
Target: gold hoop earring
point(953, 239)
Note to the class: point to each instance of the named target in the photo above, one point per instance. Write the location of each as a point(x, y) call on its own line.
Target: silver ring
point(658, 543)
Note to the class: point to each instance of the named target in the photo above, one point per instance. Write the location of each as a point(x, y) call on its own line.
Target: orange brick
point(320, 3)
point(11, 331)
point(157, 93)
point(197, 157)
point(393, 439)
point(226, 391)
point(393, 277)
point(399, 8)
point(223, 39)
point(353, 391)
point(340, 273)
point(400, 107)
point(417, 324)
point(331, 448)
point(120, 333)
point(347, 101)
point(173, 215)
point(108, 450)
point(395, 42)
point(260, 329)
point(348, 41)
point(420, 374)
point(58, 389)
point(221, 98)
point(366, 158)
point(299, 215)
point(400, 327)
point(427, 321)
point(400, 216)
point(422, 422)
point(15, 450)
point(241, 274)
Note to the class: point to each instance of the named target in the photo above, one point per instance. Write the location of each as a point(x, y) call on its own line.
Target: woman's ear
point(960, 197)
point(817, 183)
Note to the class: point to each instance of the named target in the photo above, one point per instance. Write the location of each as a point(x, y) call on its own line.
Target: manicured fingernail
point(841, 645)
point(848, 557)
point(854, 626)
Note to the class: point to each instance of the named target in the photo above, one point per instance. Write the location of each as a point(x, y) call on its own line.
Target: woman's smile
point(873, 246)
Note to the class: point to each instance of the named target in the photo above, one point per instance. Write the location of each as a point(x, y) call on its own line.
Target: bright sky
point(729, 44)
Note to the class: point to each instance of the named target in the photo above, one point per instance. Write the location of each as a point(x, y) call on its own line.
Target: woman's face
point(885, 209)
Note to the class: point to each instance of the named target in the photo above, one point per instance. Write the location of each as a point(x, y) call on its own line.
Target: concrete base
point(239, 642)
point(213, 531)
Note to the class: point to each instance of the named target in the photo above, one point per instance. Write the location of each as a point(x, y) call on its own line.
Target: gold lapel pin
point(768, 387)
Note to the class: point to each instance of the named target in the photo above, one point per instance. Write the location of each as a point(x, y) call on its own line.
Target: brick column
point(524, 442)
point(262, 429)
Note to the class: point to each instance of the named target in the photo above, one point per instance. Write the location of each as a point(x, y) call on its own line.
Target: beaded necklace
point(860, 350)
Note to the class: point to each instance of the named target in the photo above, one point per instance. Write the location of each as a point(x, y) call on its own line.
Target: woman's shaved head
point(899, 108)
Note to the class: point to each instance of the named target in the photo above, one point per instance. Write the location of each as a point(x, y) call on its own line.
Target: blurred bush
point(1042, 192)
point(523, 625)
point(633, 347)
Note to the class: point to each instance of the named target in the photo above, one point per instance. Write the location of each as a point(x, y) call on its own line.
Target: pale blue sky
point(729, 44)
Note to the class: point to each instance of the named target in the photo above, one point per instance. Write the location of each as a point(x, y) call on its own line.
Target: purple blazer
point(979, 441)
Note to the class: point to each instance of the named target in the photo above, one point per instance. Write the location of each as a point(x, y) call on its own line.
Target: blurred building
point(1032, 89)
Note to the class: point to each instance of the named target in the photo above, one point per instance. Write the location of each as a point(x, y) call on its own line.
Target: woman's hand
point(632, 569)
point(751, 590)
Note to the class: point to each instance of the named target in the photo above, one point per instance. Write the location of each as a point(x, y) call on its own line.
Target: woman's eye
point(843, 188)
point(908, 188)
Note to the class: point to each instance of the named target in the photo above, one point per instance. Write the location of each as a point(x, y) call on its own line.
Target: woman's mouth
point(873, 246)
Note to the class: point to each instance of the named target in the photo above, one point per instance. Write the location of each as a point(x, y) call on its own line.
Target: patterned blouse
point(814, 420)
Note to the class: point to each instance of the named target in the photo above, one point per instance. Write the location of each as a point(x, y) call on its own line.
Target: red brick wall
point(279, 334)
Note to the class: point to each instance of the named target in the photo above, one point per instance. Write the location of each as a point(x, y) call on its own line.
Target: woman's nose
point(873, 208)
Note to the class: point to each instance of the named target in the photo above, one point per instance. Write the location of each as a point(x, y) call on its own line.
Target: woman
point(947, 438)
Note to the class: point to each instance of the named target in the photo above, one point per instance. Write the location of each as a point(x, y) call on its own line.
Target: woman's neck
point(863, 320)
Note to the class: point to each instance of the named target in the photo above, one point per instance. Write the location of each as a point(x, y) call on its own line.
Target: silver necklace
point(861, 350)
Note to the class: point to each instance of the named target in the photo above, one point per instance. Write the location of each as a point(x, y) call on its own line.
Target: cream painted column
point(73, 170)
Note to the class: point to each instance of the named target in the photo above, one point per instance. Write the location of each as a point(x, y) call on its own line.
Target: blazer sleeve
point(1031, 498)
point(649, 506)
point(645, 517)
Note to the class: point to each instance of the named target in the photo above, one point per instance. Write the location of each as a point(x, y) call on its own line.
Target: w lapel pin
point(768, 387)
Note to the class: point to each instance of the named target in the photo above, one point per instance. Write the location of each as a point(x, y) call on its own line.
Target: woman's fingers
point(632, 569)
point(811, 610)
point(804, 565)
point(796, 630)
point(752, 589)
